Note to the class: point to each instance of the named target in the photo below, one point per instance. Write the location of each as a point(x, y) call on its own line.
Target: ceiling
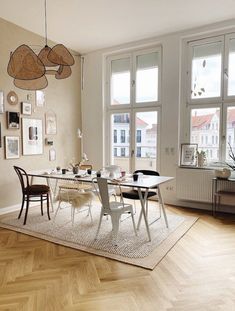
point(90, 25)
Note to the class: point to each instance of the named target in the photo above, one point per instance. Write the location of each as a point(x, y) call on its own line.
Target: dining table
point(142, 185)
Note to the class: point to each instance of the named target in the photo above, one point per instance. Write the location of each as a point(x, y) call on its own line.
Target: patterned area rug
point(130, 249)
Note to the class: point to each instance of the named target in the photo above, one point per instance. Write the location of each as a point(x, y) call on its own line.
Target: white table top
point(144, 181)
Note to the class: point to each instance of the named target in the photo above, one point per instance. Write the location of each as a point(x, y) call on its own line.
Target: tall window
point(211, 95)
point(133, 101)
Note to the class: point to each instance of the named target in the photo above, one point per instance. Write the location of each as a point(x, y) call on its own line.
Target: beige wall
point(63, 97)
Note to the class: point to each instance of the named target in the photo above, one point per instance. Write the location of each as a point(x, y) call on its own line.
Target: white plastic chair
point(113, 208)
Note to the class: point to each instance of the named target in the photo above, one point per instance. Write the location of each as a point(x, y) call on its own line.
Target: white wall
point(171, 112)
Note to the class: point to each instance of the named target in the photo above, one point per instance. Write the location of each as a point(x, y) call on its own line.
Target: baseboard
point(14, 208)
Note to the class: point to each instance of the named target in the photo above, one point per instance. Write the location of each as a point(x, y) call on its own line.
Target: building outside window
point(123, 136)
point(115, 136)
point(138, 152)
point(123, 152)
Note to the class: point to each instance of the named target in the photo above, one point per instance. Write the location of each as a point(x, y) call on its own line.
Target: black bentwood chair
point(133, 195)
point(31, 193)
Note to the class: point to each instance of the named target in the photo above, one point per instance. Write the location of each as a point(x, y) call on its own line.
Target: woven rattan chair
point(31, 193)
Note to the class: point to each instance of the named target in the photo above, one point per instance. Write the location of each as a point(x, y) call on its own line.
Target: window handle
point(226, 72)
point(133, 83)
point(132, 153)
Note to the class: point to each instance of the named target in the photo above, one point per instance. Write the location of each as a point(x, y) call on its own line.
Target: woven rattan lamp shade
point(24, 64)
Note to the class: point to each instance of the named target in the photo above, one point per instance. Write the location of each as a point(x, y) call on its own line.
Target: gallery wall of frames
point(26, 134)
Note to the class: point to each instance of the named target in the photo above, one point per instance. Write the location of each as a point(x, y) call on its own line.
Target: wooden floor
point(197, 274)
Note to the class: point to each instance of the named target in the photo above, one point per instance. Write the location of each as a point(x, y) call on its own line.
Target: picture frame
point(32, 136)
point(13, 120)
point(52, 154)
point(40, 98)
point(50, 123)
point(1, 102)
point(188, 154)
point(26, 108)
point(12, 147)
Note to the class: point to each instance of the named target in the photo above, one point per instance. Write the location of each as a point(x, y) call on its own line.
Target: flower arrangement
point(201, 158)
point(75, 166)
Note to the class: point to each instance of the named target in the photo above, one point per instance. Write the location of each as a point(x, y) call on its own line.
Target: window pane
point(205, 131)
point(120, 81)
point(146, 147)
point(206, 70)
point(231, 66)
point(120, 127)
point(147, 78)
point(230, 131)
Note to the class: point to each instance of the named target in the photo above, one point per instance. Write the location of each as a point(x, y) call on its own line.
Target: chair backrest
point(23, 177)
point(103, 192)
point(148, 172)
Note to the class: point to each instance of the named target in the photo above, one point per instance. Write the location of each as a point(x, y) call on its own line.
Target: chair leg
point(115, 218)
point(48, 207)
point(133, 221)
point(22, 206)
point(26, 211)
point(41, 205)
point(100, 220)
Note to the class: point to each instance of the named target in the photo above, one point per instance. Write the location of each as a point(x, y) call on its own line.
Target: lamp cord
point(46, 22)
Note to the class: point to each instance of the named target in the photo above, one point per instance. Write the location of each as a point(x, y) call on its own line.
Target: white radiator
point(194, 184)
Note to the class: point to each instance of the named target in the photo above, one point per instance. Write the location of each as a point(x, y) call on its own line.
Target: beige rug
point(135, 250)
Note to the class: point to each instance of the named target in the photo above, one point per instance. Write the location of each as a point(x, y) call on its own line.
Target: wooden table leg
point(51, 196)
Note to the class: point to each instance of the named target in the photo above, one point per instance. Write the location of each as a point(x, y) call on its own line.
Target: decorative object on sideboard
point(1, 102)
point(12, 98)
point(29, 69)
point(32, 136)
point(12, 147)
point(50, 123)
point(201, 158)
point(26, 108)
point(13, 120)
point(188, 154)
point(222, 173)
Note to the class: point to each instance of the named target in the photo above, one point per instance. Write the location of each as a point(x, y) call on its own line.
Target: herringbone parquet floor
point(197, 274)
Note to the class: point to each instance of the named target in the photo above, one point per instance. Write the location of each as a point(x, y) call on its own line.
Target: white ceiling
point(94, 24)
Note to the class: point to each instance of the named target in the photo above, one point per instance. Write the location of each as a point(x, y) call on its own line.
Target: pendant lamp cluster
point(29, 70)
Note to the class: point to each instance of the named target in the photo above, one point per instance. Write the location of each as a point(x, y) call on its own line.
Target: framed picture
point(50, 120)
point(1, 102)
point(188, 155)
point(40, 98)
point(12, 147)
point(26, 108)
point(52, 154)
point(32, 136)
point(13, 120)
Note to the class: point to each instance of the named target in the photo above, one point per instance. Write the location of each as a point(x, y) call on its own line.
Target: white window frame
point(133, 107)
point(223, 102)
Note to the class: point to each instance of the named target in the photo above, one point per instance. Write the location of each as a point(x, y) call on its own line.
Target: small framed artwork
point(188, 155)
point(32, 136)
point(26, 108)
point(40, 98)
point(50, 122)
point(13, 120)
point(12, 147)
point(52, 154)
point(1, 102)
